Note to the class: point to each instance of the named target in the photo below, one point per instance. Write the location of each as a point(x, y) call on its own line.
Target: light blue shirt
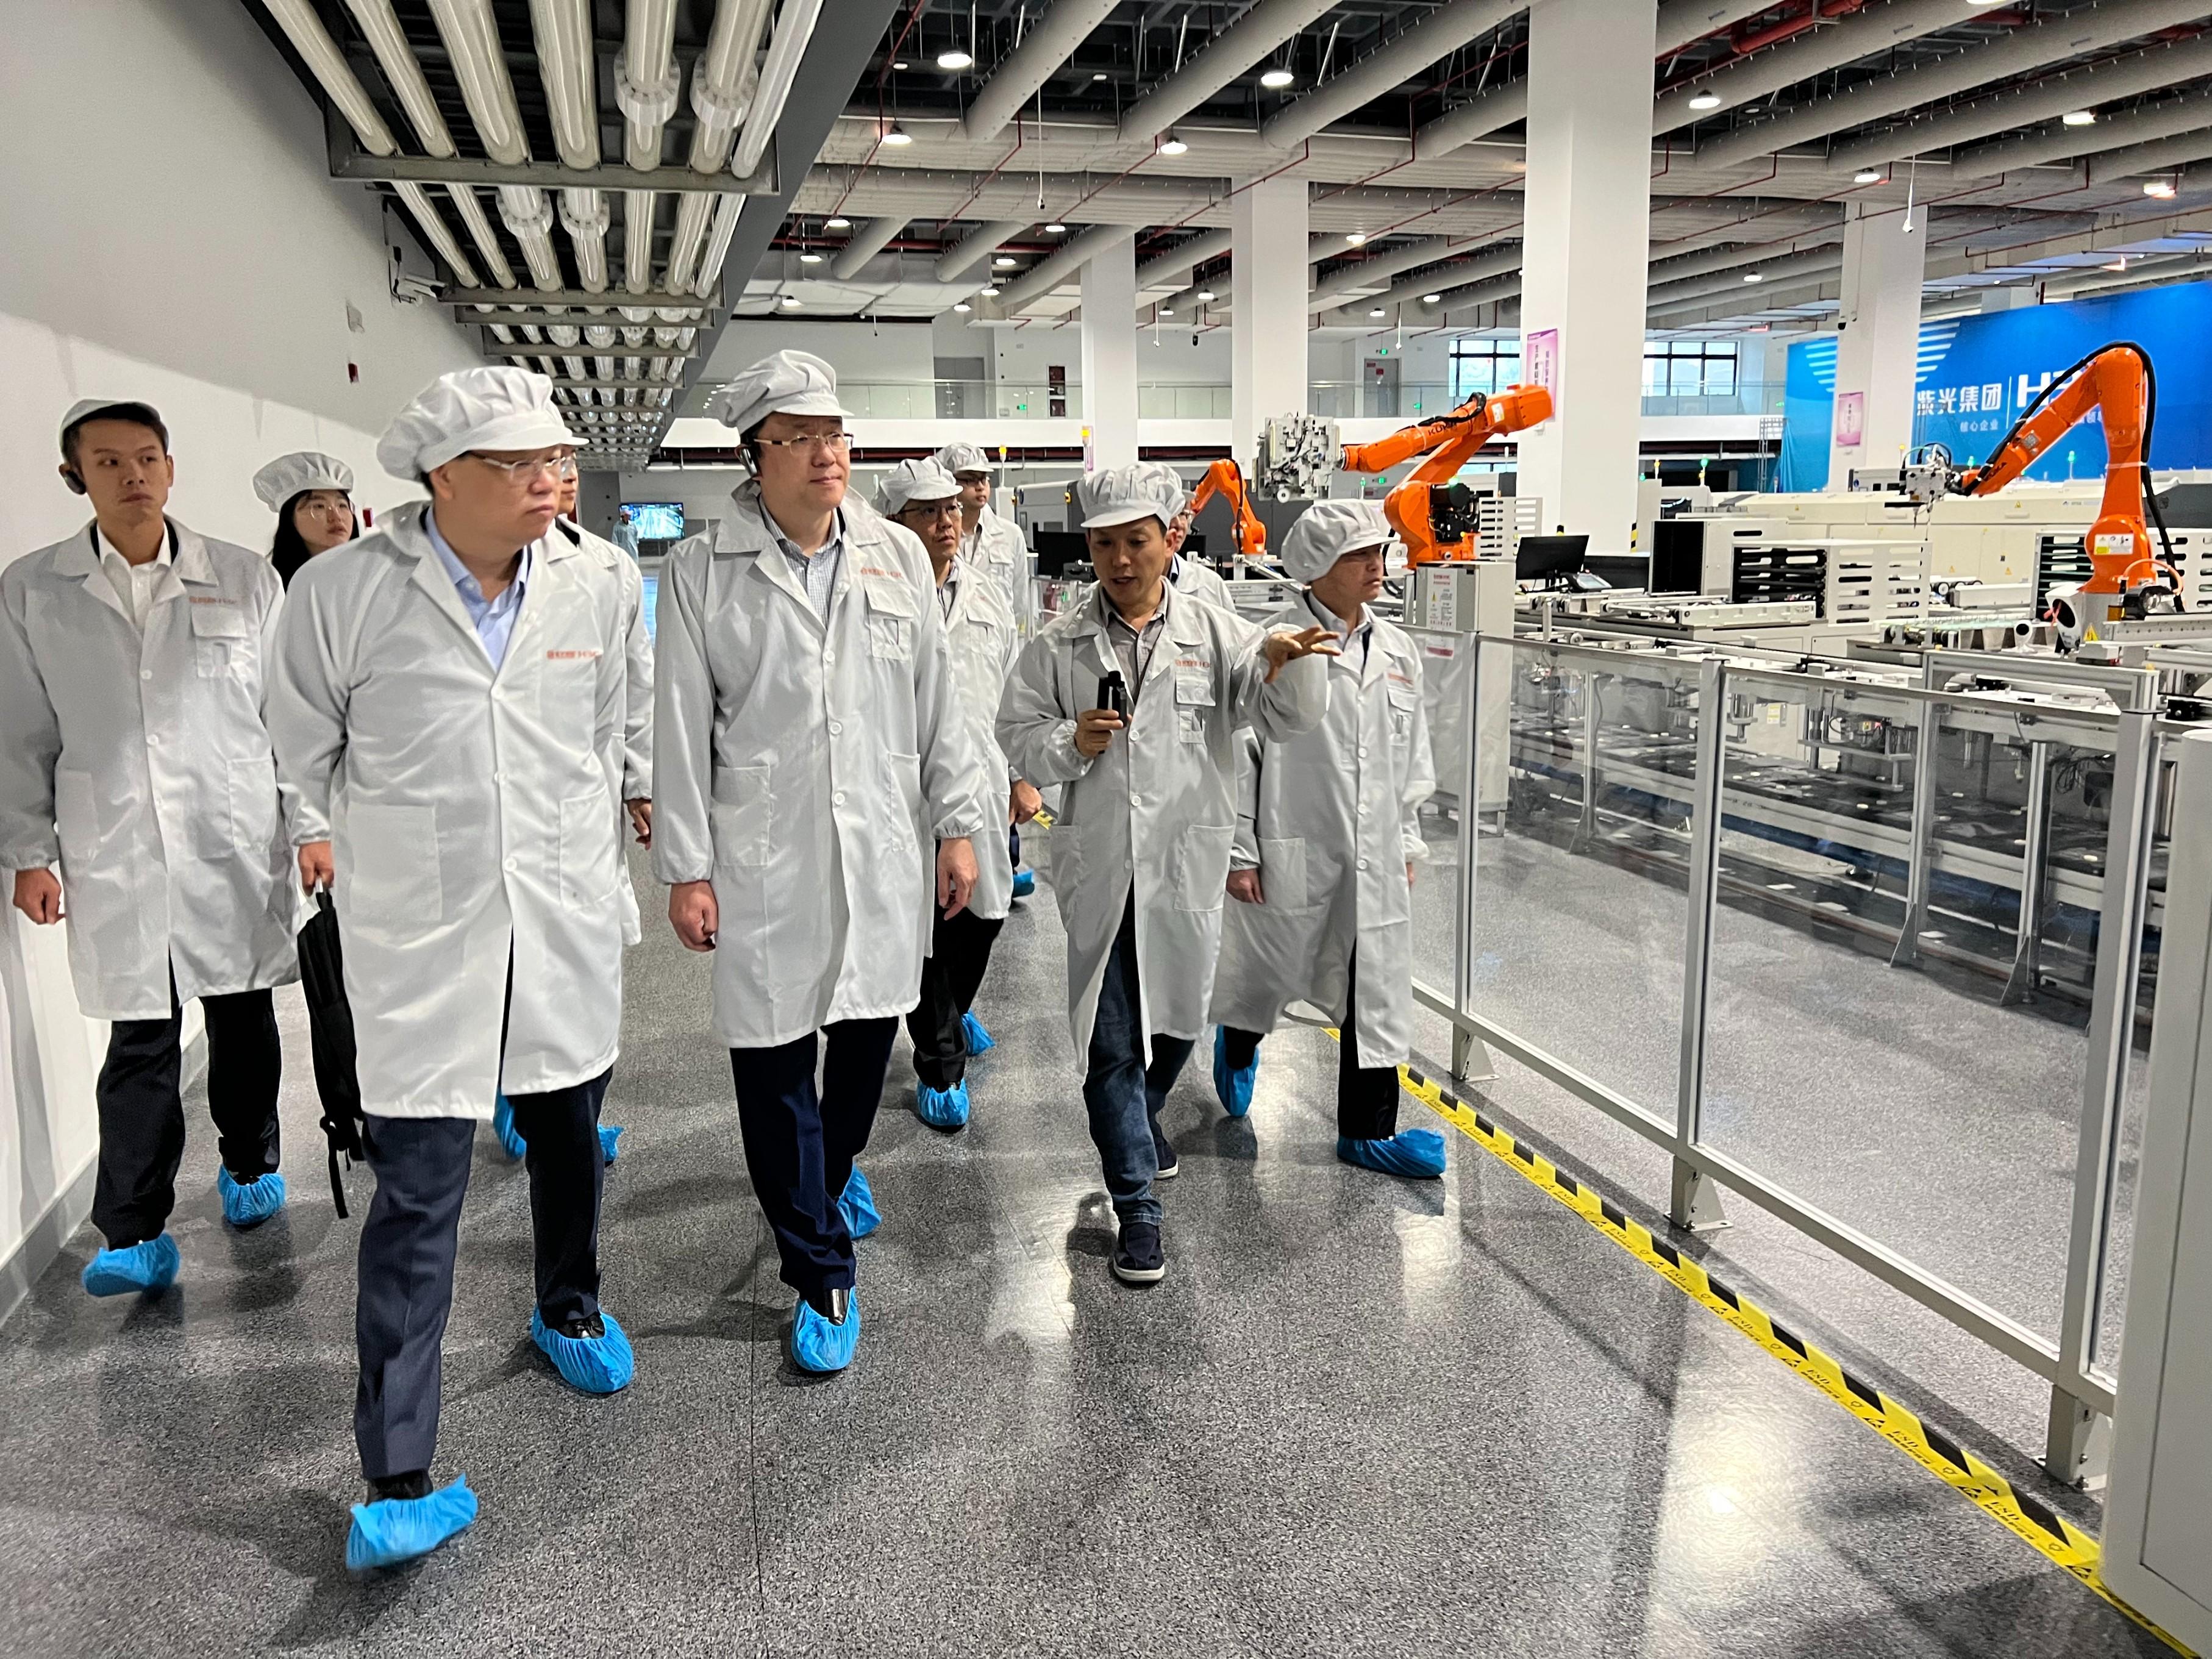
point(816, 575)
point(493, 619)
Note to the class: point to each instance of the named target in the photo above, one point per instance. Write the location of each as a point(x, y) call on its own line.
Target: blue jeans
point(1124, 1096)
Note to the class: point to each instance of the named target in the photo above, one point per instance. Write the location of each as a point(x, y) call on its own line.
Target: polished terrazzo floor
point(1359, 1417)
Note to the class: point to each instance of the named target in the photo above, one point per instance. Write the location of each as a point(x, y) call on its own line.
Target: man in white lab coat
point(134, 756)
point(1132, 701)
point(809, 756)
point(979, 631)
point(1327, 833)
point(996, 547)
point(450, 692)
point(1193, 576)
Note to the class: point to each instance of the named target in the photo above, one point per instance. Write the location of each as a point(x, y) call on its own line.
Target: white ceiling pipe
point(2141, 72)
point(585, 216)
point(1875, 30)
point(648, 80)
point(1492, 292)
point(1061, 267)
point(718, 246)
point(523, 211)
point(978, 245)
point(473, 215)
point(1179, 262)
point(2139, 159)
point(561, 31)
point(1790, 269)
point(722, 80)
point(479, 64)
point(2028, 48)
point(1443, 279)
point(1757, 303)
point(2189, 113)
point(1227, 55)
point(434, 229)
point(1489, 112)
point(1049, 42)
point(1737, 255)
point(695, 210)
point(1377, 268)
point(1681, 21)
point(866, 241)
point(637, 240)
point(1436, 36)
point(2156, 267)
point(793, 29)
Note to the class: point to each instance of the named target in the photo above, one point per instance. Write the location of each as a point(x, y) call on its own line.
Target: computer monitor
point(1549, 559)
point(1058, 549)
point(655, 521)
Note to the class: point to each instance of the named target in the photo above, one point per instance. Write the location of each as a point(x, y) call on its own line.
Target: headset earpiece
point(74, 480)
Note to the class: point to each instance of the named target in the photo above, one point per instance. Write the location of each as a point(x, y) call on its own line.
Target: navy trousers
point(1122, 1093)
point(412, 1233)
point(141, 1108)
point(800, 1142)
point(959, 954)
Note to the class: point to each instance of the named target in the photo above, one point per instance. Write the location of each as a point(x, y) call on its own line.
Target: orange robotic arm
point(1225, 478)
point(2118, 380)
point(1449, 441)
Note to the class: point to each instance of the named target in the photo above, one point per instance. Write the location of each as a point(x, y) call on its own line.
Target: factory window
point(1675, 368)
point(1483, 365)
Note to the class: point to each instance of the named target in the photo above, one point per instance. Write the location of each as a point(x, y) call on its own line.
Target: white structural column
point(1110, 356)
point(1267, 277)
point(1586, 225)
point(1878, 345)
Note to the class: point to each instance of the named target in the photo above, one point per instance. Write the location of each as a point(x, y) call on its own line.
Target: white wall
point(857, 350)
point(176, 238)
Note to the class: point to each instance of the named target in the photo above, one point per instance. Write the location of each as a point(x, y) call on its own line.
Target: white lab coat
point(980, 633)
point(478, 860)
point(1158, 807)
point(1330, 820)
point(808, 771)
point(1202, 582)
point(634, 762)
point(996, 546)
point(142, 765)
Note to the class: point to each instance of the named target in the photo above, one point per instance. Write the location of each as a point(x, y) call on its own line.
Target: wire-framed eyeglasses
point(561, 467)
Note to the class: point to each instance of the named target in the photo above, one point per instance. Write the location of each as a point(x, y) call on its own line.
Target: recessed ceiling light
point(1172, 145)
point(2162, 188)
point(990, 293)
point(1754, 276)
point(1276, 79)
point(790, 302)
point(1005, 262)
point(1867, 176)
point(1376, 311)
point(953, 59)
point(837, 222)
point(962, 305)
point(896, 134)
point(1356, 237)
point(1706, 101)
point(809, 257)
point(2080, 117)
point(1431, 298)
point(1055, 229)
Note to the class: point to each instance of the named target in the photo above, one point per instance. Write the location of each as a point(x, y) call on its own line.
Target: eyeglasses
point(526, 471)
point(832, 441)
point(941, 509)
point(328, 509)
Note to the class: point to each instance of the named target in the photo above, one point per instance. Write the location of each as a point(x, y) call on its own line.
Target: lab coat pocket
point(1194, 695)
point(390, 884)
point(252, 823)
point(76, 816)
point(589, 857)
point(1282, 884)
point(891, 620)
point(220, 644)
point(742, 815)
point(1202, 866)
point(1405, 702)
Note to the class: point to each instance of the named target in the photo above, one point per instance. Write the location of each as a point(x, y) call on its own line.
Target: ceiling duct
point(866, 241)
point(1434, 37)
point(1745, 80)
point(1050, 42)
point(2189, 114)
point(975, 246)
point(1062, 266)
point(1246, 42)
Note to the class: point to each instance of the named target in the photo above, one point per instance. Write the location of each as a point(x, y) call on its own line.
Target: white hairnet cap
point(1123, 495)
point(1329, 530)
point(964, 458)
point(914, 481)
point(488, 408)
point(85, 408)
point(289, 475)
point(788, 383)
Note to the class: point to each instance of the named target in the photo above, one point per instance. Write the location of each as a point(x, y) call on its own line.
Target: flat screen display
point(655, 521)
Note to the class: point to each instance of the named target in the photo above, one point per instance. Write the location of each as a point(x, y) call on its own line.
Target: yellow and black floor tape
point(2052, 1533)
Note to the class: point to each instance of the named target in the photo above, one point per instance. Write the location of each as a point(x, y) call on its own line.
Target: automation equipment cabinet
point(2158, 1511)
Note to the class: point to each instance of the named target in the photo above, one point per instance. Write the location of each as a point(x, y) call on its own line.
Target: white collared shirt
point(136, 585)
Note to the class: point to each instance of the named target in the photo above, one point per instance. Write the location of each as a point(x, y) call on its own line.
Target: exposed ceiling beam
point(1050, 42)
point(1745, 80)
point(1682, 22)
point(2189, 114)
point(2138, 160)
point(1800, 268)
point(1434, 37)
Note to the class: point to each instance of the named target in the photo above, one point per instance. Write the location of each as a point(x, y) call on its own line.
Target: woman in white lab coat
point(312, 496)
point(1140, 849)
point(815, 797)
point(134, 662)
point(450, 694)
point(1327, 835)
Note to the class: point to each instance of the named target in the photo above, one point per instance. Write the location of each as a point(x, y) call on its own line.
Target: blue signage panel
point(1977, 374)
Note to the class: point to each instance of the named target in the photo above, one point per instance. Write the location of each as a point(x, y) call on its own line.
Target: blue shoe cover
point(502, 1125)
point(1024, 882)
point(589, 1364)
point(941, 1108)
point(857, 1204)
point(1233, 1087)
point(251, 1203)
point(1417, 1153)
point(817, 1346)
point(609, 1134)
point(149, 1267)
point(396, 1529)
point(979, 1040)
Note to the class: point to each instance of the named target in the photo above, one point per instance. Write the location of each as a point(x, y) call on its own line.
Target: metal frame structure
point(2082, 1390)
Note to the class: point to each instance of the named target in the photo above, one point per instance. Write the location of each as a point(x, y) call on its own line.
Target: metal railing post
point(1922, 854)
point(1695, 1202)
point(2034, 875)
point(2076, 1434)
point(1470, 1059)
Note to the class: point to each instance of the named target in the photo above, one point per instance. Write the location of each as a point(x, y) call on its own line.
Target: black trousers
point(800, 1142)
point(959, 953)
point(1366, 1096)
point(141, 1108)
point(412, 1235)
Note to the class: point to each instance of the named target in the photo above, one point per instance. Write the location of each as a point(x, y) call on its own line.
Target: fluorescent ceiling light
point(1172, 145)
point(1005, 262)
point(1431, 298)
point(1868, 176)
point(809, 257)
point(960, 306)
point(1356, 237)
point(1167, 311)
point(1378, 312)
point(954, 59)
point(1204, 294)
point(1054, 228)
point(901, 64)
point(1275, 79)
point(896, 134)
point(837, 222)
point(1706, 101)
point(1752, 276)
point(1100, 75)
point(2162, 188)
point(2080, 117)
point(990, 293)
